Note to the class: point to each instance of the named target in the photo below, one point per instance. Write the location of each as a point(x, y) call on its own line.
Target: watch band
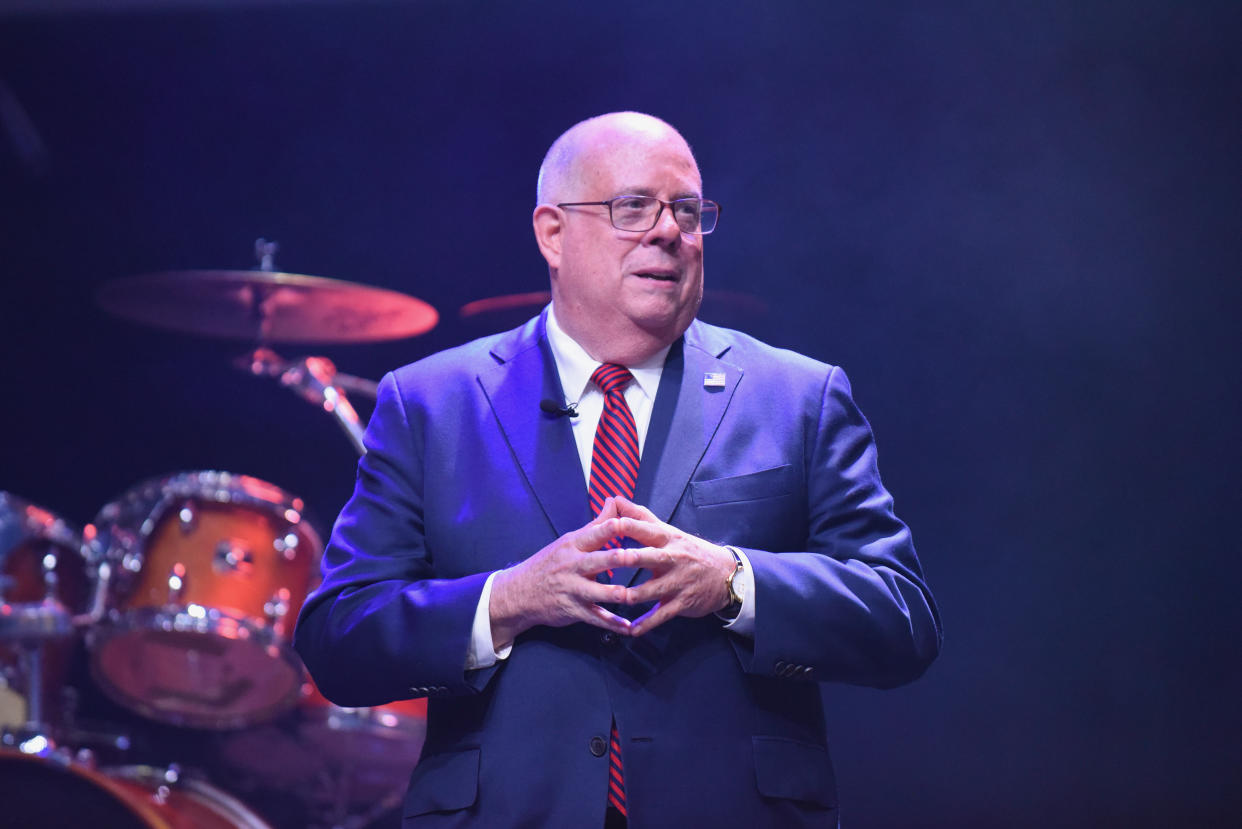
point(735, 599)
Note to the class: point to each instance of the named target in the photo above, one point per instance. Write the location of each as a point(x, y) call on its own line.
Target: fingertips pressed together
point(597, 533)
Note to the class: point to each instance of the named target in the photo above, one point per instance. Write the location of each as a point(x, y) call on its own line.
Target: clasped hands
point(557, 587)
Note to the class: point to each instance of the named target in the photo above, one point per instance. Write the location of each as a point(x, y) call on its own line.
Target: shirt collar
point(575, 366)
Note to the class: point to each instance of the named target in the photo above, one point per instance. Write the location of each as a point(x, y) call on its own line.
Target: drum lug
point(176, 583)
point(287, 544)
point(187, 518)
point(277, 607)
point(132, 562)
point(49, 575)
point(233, 555)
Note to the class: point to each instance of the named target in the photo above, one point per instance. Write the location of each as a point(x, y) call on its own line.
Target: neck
point(628, 346)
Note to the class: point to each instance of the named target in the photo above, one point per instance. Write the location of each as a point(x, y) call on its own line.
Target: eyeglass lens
point(642, 213)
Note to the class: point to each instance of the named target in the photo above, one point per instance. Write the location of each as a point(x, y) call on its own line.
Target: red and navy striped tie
point(614, 471)
point(614, 457)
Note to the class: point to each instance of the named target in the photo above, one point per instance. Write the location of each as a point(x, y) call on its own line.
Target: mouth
point(658, 275)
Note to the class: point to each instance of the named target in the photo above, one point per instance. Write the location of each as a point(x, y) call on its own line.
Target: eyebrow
point(650, 191)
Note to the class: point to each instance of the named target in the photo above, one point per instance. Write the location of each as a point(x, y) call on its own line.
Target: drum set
point(177, 605)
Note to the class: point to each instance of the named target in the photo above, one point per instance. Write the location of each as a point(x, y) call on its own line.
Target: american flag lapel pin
point(714, 380)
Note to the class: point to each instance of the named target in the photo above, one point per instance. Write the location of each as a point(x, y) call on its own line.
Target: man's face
point(611, 281)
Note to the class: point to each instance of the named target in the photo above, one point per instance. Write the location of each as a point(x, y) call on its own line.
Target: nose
point(666, 231)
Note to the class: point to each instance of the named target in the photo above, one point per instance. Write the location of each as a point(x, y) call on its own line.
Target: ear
point(549, 223)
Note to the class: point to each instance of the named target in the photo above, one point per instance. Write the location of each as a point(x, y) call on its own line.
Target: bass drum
point(47, 793)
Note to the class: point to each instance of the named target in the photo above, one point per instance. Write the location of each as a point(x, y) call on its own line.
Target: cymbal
point(267, 306)
point(505, 302)
point(718, 305)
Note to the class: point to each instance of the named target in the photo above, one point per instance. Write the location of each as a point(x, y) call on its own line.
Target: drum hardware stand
point(30, 627)
point(33, 736)
point(38, 736)
point(315, 380)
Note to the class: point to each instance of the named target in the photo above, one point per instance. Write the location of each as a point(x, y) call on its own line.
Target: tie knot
point(611, 377)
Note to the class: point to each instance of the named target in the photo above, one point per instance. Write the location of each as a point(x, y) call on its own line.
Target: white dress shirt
point(575, 368)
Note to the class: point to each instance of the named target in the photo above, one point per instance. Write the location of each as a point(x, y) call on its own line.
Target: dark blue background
point(1015, 224)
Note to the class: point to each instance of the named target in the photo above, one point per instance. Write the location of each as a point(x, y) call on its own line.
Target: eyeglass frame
point(659, 213)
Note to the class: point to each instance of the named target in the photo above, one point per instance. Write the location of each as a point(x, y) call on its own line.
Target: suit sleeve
point(380, 627)
point(854, 606)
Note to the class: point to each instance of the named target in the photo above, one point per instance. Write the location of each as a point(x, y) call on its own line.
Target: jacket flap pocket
point(794, 770)
point(766, 483)
point(443, 783)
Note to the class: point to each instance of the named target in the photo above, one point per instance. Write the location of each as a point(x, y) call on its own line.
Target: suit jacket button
point(779, 667)
point(598, 745)
point(608, 637)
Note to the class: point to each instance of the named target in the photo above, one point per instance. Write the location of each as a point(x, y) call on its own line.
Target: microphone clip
point(550, 407)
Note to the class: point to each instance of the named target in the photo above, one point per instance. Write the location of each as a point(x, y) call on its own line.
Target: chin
point(667, 326)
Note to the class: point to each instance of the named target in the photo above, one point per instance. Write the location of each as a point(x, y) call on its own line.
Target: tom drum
point(209, 570)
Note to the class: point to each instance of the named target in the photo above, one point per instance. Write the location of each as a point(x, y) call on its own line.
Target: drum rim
point(368, 721)
point(15, 509)
point(140, 809)
point(125, 524)
point(144, 774)
point(177, 619)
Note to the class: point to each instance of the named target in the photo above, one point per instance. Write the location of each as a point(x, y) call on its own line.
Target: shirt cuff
point(744, 622)
point(482, 652)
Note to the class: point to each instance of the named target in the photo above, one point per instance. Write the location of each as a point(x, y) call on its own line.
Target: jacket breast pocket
point(443, 783)
point(766, 483)
point(794, 770)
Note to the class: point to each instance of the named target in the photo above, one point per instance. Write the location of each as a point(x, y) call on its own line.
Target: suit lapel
point(543, 446)
point(685, 419)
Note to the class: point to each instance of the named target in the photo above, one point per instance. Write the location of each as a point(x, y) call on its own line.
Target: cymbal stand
point(315, 380)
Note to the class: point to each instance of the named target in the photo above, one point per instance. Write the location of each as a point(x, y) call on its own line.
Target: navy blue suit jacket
point(465, 475)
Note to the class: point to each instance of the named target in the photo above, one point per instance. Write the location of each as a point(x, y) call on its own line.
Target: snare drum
point(208, 572)
point(51, 793)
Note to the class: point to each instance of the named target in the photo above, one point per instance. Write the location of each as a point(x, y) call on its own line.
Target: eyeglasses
point(641, 213)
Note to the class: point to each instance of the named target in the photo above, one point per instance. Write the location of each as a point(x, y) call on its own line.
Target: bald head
point(621, 294)
point(564, 167)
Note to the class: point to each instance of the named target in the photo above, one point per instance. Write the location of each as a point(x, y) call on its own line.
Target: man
point(670, 682)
